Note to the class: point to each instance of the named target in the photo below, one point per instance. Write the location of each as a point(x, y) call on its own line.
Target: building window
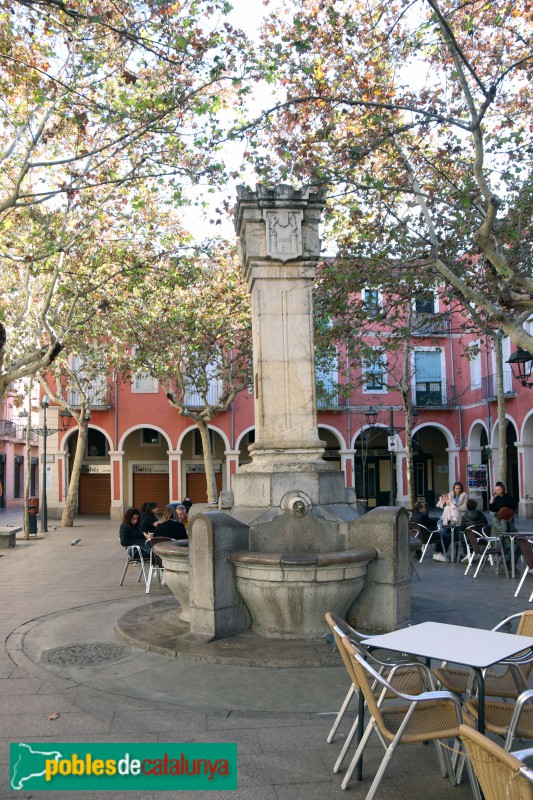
point(18, 476)
point(424, 303)
point(474, 356)
point(197, 448)
point(372, 302)
point(149, 436)
point(144, 384)
point(375, 374)
point(96, 444)
point(430, 387)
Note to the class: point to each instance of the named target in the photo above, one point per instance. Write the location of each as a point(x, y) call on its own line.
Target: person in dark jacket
point(501, 499)
point(150, 521)
point(420, 515)
point(170, 526)
point(131, 533)
point(473, 516)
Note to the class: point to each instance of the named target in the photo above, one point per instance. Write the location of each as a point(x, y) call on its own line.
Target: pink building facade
point(140, 449)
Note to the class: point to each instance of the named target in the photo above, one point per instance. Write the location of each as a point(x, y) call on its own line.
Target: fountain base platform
point(156, 627)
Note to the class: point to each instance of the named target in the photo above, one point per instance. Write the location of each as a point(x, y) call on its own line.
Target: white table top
point(472, 647)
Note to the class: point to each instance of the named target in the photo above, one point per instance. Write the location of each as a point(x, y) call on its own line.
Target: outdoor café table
point(471, 647)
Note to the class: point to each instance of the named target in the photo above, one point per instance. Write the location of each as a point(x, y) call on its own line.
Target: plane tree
point(99, 105)
point(417, 115)
point(189, 326)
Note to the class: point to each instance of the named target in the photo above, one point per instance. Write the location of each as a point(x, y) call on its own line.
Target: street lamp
point(45, 431)
point(522, 366)
point(45, 402)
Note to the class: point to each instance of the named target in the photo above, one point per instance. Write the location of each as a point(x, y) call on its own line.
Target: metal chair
point(526, 548)
point(430, 716)
point(477, 529)
point(507, 720)
point(500, 774)
point(156, 565)
point(408, 674)
point(508, 682)
point(134, 555)
point(426, 537)
point(484, 547)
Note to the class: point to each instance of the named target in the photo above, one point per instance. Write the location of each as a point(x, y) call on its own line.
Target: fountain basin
point(175, 558)
point(288, 594)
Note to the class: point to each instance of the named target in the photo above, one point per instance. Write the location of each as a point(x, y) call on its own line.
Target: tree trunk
point(71, 503)
point(212, 491)
point(502, 422)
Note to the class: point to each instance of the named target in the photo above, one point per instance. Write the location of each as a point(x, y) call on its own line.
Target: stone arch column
point(347, 465)
point(525, 468)
point(117, 484)
point(175, 477)
point(232, 467)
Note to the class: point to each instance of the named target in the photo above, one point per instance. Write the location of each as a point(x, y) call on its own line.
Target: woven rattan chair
point(507, 720)
point(500, 774)
point(134, 555)
point(485, 547)
point(426, 537)
point(526, 548)
point(508, 680)
point(405, 673)
point(430, 716)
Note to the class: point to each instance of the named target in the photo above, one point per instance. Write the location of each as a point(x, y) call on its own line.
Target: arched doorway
point(431, 464)
point(372, 466)
point(94, 492)
point(146, 467)
point(511, 473)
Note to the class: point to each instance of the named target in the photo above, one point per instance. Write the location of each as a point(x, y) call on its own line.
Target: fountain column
point(279, 247)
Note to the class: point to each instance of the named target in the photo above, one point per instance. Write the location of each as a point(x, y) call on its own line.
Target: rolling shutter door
point(94, 494)
point(197, 486)
point(150, 488)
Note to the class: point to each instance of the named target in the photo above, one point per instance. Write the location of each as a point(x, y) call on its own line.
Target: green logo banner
point(165, 766)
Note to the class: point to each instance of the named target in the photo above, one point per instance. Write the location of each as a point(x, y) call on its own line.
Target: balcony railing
point(488, 389)
point(431, 325)
point(98, 396)
point(214, 393)
point(434, 393)
point(8, 429)
point(16, 430)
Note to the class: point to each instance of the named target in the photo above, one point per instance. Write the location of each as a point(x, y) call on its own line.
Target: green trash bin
point(33, 523)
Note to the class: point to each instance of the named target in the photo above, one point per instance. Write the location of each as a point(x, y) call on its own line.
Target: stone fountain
point(289, 542)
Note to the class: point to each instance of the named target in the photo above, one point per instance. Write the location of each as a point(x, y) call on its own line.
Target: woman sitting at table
point(131, 533)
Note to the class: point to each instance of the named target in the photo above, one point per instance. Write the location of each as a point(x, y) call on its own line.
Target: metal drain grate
point(86, 655)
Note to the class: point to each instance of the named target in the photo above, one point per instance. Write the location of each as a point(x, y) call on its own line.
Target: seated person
point(181, 515)
point(501, 499)
point(504, 524)
point(473, 516)
point(130, 532)
point(420, 515)
point(150, 521)
point(170, 525)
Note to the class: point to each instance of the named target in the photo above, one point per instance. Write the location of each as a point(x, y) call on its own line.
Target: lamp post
point(45, 431)
point(522, 367)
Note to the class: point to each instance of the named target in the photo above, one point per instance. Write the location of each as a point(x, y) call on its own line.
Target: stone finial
point(279, 223)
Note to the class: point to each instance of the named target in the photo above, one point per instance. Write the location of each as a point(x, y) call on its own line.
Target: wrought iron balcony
point(426, 324)
point(435, 394)
point(8, 429)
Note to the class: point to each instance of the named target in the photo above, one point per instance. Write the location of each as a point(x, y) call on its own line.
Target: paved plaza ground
point(59, 607)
